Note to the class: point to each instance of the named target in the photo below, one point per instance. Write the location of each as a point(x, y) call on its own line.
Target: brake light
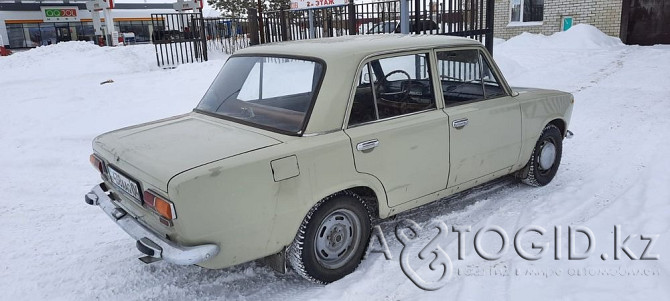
point(97, 163)
point(162, 206)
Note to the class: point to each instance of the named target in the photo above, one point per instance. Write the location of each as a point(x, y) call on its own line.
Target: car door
point(397, 132)
point(485, 121)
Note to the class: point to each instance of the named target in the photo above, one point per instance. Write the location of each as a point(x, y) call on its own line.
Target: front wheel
point(332, 239)
point(546, 157)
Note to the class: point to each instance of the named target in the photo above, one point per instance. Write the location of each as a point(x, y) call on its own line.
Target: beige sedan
point(297, 146)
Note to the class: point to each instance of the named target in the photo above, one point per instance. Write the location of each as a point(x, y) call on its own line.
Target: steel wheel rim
point(547, 156)
point(337, 238)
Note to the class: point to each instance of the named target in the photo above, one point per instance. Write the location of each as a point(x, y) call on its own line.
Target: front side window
point(527, 10)
point(270, 92)
point(391, 87)
point(465, 76)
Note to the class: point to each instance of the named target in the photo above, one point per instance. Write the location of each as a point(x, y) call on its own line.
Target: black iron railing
point(178, 38)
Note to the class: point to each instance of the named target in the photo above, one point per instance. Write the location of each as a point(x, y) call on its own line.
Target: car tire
point(545, 159)
point(332, 238)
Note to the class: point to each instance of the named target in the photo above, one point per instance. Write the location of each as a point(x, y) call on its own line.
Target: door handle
point(460, 123)
point(367, 145)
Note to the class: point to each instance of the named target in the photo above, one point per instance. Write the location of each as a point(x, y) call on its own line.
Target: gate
point(227, 35)
point(466, 18)
point(178, 38)
point(645, 22)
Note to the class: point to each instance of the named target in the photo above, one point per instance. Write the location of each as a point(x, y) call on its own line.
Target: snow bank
point(565, 60)
point(76, 59)
point(580, 36)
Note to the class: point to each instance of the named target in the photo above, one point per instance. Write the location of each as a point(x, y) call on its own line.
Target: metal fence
point(178, 38)
point(467, 18)
point(227, 35)
point(185, 37)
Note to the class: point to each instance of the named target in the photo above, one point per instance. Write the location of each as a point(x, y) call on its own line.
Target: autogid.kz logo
point(422, 246)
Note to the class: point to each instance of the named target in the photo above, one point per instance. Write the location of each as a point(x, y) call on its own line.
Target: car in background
point(364, 28)
point(427, 26)
point(297, 147)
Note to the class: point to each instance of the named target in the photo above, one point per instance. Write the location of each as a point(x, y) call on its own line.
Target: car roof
point(355, 48)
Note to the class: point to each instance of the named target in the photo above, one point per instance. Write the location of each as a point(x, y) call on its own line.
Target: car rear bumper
point(154, 246)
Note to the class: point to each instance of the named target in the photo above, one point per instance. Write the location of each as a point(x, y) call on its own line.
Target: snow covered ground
point(614, 172)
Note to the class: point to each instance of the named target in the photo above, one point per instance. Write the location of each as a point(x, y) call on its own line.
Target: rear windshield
point(268, 92)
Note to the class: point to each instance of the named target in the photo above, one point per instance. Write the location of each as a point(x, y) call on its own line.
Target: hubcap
point(547, 155)
point(337, 238)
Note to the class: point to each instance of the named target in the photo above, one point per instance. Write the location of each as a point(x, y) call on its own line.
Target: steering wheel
point(404, 89)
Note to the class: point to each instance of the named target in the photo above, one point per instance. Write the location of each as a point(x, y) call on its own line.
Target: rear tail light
point(97, 163)
point(162, 206)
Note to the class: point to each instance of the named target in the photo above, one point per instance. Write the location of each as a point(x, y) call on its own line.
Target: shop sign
point(60, 13)
point(309, 4)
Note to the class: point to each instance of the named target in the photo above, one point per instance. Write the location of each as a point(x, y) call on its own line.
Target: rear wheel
point(546, 157)
point(332, 239)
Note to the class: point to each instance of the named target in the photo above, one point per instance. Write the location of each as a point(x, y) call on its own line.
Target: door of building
point(645, 22)
point(63, 34)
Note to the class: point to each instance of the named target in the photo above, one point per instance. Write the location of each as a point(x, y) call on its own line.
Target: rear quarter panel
point(237, 204)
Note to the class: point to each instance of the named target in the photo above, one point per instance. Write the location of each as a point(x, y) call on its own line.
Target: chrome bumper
point(155, 247)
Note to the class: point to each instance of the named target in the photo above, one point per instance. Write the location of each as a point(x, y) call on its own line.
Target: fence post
point(253, 27)
point(404, 16)
point(488, 42)
point(203, 36)
point(260, 23)
point(417, 14)
point(351, 18)
point(311, 23)
point(282, 25)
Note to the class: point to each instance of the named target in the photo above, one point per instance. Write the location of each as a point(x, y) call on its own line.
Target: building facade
point(513, 17)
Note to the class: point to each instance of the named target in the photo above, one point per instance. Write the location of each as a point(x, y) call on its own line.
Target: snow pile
point(565, 60)
point(74, 59)
point(580, 36)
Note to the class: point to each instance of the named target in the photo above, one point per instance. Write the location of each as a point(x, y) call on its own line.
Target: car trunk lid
point(155, 152)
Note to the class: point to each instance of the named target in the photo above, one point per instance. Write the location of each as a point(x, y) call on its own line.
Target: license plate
point(125, 184)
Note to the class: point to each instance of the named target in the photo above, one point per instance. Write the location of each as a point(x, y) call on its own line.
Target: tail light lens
point(162, 206)
point(97, 163)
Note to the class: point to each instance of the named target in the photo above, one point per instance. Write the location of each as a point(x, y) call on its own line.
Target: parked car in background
point(427, 26)
point(297, 147)
point(364, 28)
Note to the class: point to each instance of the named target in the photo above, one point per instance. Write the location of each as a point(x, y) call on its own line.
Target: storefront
point(25, 25)
point(28, 33)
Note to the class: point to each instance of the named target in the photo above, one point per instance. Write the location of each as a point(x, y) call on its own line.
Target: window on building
point(16, 35)
point(85, 31)
point(527, 10)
